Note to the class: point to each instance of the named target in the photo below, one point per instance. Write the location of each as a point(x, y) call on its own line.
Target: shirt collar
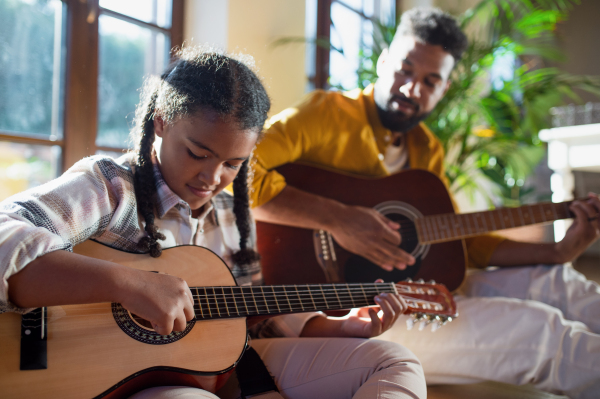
point(167, 199)
point(382, 135)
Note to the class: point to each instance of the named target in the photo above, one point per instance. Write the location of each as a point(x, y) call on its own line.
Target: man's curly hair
point(433, 26)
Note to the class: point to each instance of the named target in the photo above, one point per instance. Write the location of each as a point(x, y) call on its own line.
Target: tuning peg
point(431, 282)
point(437, 323)
point(411, 321)
point(420, 281)
point(425, 321)
point(408, 280)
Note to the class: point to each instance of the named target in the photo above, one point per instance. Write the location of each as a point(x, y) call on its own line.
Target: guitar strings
point(259, 309)
point(342, 293)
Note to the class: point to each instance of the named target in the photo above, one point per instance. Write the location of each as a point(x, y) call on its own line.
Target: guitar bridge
point(34, 331)
point(325, 253)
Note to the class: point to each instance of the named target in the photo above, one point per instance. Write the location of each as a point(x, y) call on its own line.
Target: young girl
point(196, 128)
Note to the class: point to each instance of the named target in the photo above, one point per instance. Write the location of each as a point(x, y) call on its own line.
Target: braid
point(241, 210)
point(144, 185)
point(200, 80)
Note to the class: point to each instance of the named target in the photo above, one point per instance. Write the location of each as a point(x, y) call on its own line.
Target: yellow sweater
point(342, 131)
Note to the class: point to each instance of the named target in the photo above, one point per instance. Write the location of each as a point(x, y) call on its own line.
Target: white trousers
point(332, 368)
point(528, 325)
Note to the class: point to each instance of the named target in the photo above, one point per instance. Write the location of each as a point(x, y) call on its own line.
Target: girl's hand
point(362, 322)
point(366, 323)
point(163, 300)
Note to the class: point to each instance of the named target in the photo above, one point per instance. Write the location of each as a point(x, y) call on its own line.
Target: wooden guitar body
point(90, 356)
point(410, 192)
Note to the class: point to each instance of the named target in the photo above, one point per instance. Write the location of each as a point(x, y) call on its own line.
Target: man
point(537, 324)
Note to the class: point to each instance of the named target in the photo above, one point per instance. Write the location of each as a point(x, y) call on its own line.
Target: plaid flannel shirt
point(95, 199)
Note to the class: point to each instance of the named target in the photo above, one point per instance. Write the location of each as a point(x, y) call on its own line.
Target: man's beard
point(396, 120)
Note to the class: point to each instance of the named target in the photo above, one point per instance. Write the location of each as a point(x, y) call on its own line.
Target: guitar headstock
point(429, 303)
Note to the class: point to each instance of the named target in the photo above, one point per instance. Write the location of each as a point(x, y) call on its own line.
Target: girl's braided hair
point(199, 80)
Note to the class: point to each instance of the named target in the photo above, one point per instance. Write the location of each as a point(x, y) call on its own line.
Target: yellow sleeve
point(288, 135)
point(480, 248)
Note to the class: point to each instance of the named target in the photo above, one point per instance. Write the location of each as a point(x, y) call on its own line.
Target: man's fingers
point(394, 256)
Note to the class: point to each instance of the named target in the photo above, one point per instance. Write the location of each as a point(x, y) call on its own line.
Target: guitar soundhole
point(360, 270)
point(141, 330)
point(142, 322)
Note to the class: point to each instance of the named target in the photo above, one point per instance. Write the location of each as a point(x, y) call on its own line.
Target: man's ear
point(381, 60)
point(159, 125)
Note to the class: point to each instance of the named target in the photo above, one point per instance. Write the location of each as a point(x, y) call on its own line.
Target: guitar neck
point(448, 227)
point(226, 302)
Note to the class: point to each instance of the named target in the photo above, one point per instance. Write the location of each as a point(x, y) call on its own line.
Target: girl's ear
point(159, 125)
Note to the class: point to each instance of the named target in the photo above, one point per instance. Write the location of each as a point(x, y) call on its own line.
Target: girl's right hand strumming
point(163, 300)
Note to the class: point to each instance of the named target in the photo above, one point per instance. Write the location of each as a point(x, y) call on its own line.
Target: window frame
point(321, 67)
point(81, 79)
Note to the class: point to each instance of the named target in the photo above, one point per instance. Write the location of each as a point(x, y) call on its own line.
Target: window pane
point(23, 166)
point(127, 53)
point(32, 51)
point(153, 11)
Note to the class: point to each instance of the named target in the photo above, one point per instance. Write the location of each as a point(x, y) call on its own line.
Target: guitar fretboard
point(447, 227)
point(225, 302)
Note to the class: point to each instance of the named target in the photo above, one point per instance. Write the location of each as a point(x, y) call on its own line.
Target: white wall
point(251, 27)
point(205, 22)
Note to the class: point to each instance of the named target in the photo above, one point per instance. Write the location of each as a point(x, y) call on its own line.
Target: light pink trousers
point(332, 368)
point(528, 325)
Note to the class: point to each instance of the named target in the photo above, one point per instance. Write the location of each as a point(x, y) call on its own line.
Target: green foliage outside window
point(489, 125)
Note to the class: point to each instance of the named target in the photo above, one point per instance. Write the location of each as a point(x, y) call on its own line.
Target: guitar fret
point(207, 302)
point(425, 223)
point(542, 211)
point(447, 222)
point(474, 218)
point(216, 301)
point(288, 299)
point(275, 298)
point(521, 216)
point(199, 302)
point(533, 219)
point(433, 227)
point(350, 295)
point(439, 226)
point(299, 298)
point(237, 312)
point(244, 300)
point(485, 227)
point(491, 215)
point(452, 219)
point(336, 294)
point(554, 211)
point(262, 291)
point(324, 297)
point(364, 293)
point(225, 299)
point(311, 296)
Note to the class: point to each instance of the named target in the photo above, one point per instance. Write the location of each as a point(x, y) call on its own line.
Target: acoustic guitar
point(102, 350)
point(417, 199)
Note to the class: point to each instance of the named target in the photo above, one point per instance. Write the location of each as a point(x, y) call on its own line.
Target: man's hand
point(584, 230)
point(362, 231)
point(366, 232)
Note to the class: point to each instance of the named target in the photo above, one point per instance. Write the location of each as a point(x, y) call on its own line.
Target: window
point(71, 74)
point(349, 27)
